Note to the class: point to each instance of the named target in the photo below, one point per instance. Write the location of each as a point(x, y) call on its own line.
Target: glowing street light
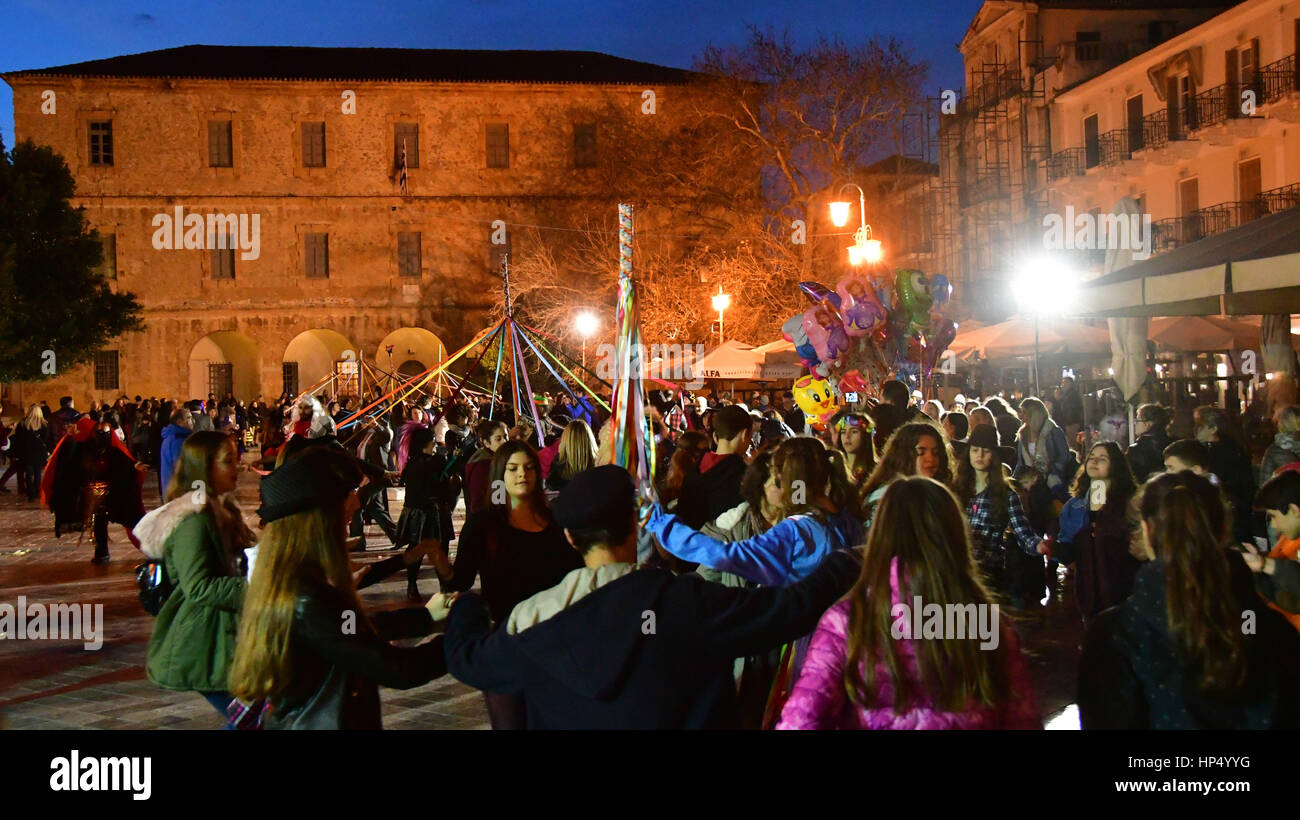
point(721, 302)
point(864, 249)
point(1043, 287)
point(586, 324)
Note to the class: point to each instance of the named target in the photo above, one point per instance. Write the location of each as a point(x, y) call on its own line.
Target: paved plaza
point(61, 685)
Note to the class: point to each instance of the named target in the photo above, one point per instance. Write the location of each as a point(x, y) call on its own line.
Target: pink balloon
point(825, 330)
point(860, 307)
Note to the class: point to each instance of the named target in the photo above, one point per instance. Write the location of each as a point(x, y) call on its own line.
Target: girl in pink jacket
point(939, 656)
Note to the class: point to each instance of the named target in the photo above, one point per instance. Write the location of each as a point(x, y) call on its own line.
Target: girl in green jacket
point(202, 541)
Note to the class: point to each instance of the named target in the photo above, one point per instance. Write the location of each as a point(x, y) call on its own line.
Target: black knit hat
point(601, 497)
point(984, 436)
point(320, 477)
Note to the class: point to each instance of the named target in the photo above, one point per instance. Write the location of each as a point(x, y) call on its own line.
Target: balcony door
point(1091, 146)
point(1134, 114)
point(1189, 202)
point(1249, 185)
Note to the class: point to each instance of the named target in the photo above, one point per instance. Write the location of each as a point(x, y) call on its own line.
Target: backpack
point(154, 584)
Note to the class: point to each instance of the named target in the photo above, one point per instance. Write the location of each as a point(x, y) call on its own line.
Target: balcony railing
point(1155, 130)
point(1168, 234)
point(1066, 163)
point(1112, 147)
point(1279, 78)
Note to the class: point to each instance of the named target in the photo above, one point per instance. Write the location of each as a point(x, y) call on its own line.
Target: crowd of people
point(760, 588)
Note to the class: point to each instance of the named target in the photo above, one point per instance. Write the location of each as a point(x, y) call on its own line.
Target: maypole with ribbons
point(632, 439)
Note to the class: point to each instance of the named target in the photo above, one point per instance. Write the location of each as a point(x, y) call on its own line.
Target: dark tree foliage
point(53, 297)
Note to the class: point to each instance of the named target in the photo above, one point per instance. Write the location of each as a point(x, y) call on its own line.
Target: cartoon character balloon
point(914, 298)
point(815, 397)
point(825, 328)
point(860, 307)
point(794, 333)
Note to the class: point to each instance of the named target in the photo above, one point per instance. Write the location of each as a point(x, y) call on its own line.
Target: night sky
point(41, 33)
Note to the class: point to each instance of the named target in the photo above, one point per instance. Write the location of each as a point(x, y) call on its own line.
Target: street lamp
point(864, 248)
point(721, 302)
point(1043, 287)
point(586, 324)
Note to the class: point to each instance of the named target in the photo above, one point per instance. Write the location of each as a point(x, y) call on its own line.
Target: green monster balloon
point(914, 296)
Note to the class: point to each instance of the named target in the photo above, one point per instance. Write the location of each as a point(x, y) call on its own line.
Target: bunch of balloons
point(870, 326)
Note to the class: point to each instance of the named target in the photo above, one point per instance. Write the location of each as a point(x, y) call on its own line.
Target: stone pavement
point(61, 685)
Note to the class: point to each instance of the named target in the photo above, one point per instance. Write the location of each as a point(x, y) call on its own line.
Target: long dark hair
point(193, 474)
point(999, 490)
point(537, 500)
point(920, 524)
point(899, 458)
point(804, 463)
point(752, 486)
point(1122, 483)
point(1189, 525)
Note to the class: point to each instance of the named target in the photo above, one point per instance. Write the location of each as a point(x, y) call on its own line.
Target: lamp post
point(864, 248)
point(1043, 287)
point(721, 302)
point(586, 324)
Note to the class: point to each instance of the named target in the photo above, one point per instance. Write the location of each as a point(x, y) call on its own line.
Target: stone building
point(1000, 148)
point(366, 196)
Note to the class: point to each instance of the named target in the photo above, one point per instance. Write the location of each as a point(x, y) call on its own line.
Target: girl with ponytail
point(1178, 654)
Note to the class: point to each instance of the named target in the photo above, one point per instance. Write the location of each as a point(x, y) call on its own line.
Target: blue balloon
point(940, 289)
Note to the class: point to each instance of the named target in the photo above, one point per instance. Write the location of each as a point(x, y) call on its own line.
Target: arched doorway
point(225, 361)
point(316, 354)
point(413, 351)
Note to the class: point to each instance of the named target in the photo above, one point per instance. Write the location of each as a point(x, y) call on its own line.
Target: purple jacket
point(818, 700)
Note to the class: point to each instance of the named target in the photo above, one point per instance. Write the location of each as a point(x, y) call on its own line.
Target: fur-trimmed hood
point(157, 526)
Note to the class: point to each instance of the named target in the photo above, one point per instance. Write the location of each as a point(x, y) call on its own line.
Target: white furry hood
point(154, 529)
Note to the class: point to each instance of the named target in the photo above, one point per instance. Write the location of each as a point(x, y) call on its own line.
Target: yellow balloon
point(814, 396)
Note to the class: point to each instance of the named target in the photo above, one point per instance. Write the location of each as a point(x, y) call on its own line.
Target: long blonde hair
point(307, 546)
point(577, 449)
point(35, 419)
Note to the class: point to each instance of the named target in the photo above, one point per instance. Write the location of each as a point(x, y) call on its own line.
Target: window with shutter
point(289, 375)
point(101, 142)
point(584, 145)
point(223, 258)
point(108, 266)
point(106, 377)
point(408, 253)
point(498, 145)
point(220, 147)
point(313, 145)
point(408, 132)
point(318, 255)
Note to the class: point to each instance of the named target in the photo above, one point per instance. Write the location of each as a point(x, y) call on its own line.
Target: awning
point(737, 360)
point(1016, 338)
point(1251, 269)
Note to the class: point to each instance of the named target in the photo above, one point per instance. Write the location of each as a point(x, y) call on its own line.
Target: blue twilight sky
point(41, 33)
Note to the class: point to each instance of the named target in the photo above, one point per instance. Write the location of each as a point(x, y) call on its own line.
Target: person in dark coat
point(616, 647)
point(715, 488)
point(91, 480)
point(1175, 655)
point(307, 645)
point(1146, 456)
point(1094, 532)
point(1230, 463)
